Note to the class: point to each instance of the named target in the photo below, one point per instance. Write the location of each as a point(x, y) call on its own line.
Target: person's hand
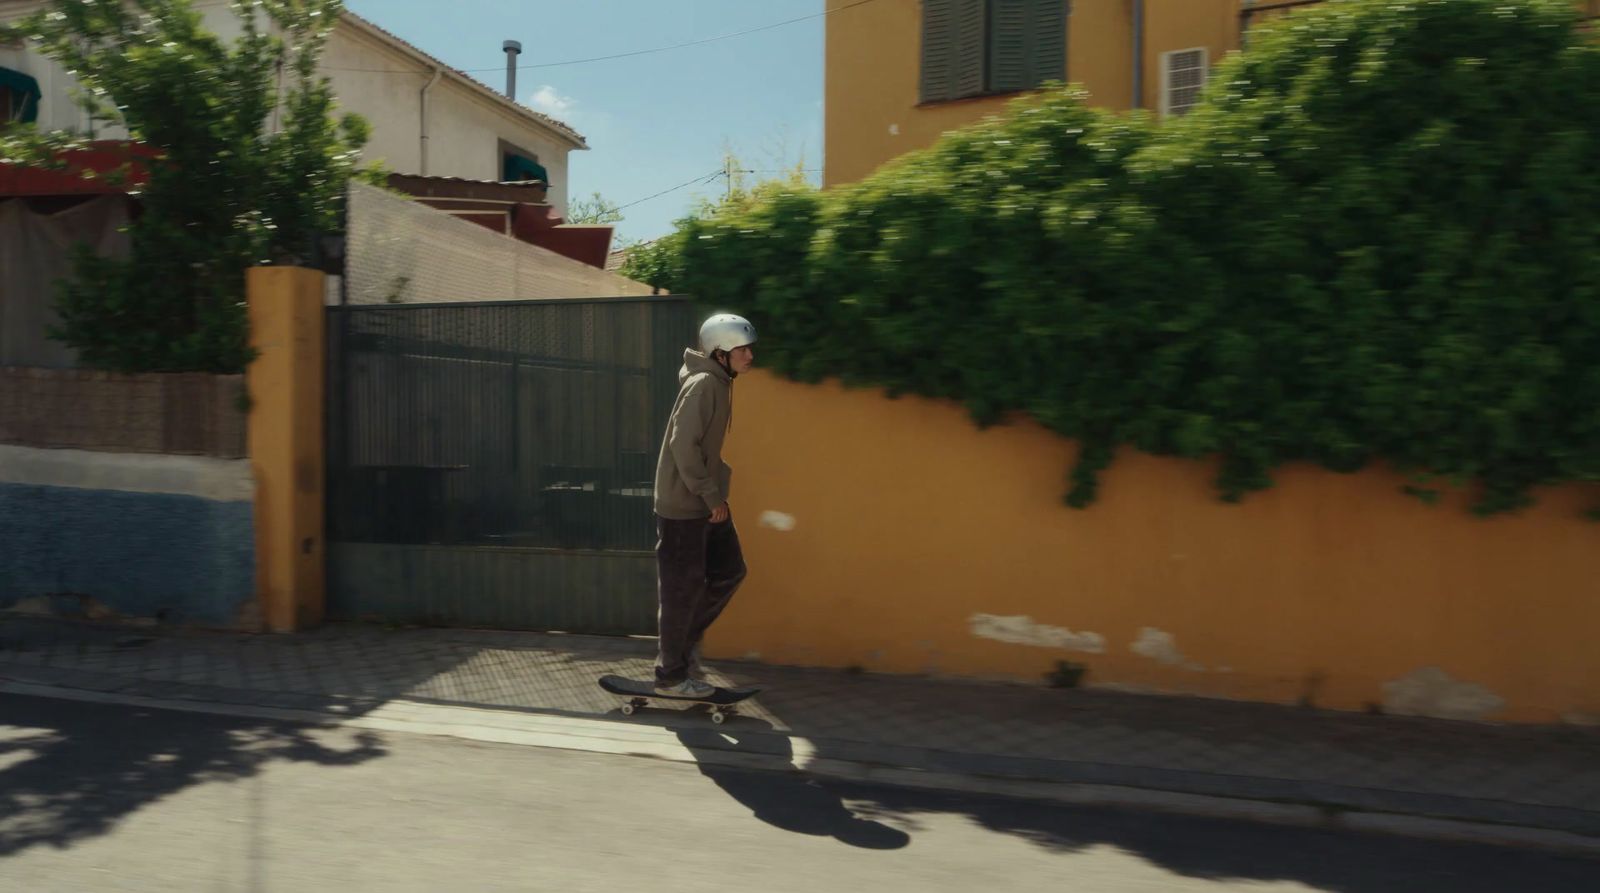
point(720, 514)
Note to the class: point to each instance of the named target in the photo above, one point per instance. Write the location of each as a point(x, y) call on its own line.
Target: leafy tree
point(241, 174)
point(594, 209)
point(659, 262)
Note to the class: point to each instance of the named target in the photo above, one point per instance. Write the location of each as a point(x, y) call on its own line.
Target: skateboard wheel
point(719, 717)
point(627, 709)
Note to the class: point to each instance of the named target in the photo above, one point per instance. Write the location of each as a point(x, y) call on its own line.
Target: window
point(980, 47)
point(1183, 76)
point(19, 97)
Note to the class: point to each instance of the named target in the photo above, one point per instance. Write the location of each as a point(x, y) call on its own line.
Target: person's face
point(741, 359)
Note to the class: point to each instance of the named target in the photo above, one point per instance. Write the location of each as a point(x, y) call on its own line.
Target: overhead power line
point(708, 178)
point(697, 180)
point(627, 55)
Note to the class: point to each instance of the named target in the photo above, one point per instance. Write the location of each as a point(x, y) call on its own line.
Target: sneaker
point(688, 688)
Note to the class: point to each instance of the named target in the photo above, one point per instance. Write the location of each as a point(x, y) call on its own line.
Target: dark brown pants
point(699, 566)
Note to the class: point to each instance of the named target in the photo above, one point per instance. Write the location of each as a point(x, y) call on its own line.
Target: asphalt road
point(100, 797)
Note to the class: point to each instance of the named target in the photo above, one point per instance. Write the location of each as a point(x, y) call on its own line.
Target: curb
point(706, 747)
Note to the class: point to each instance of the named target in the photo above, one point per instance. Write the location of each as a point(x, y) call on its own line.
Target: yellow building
point(901, 72)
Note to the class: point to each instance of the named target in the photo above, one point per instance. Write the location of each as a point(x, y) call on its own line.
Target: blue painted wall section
point(174, 557)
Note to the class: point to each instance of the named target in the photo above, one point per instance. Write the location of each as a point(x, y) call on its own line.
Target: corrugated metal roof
point(527, 184)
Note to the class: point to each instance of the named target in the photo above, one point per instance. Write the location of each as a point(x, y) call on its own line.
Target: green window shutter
point(1009, 45)
point(938, 49)
point(971, 41)
point(953, 40)
point(1050, 41)
point(1027, 43)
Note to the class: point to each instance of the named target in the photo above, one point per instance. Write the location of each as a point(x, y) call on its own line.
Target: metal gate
point(491, 464)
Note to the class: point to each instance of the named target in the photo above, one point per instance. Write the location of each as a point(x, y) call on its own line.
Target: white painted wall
point(465, 141)
point(391, 103)
point(57, 108)
point(465, 127)
point(404, 251)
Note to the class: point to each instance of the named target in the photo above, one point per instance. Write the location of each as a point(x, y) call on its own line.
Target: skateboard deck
point(640, 693)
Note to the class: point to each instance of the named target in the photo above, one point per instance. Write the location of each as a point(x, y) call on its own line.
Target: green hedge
point(1377, 239)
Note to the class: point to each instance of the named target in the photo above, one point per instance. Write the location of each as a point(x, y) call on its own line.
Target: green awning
point(519, 169)
point(22, 87)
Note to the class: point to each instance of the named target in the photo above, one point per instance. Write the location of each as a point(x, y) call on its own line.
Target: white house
point(427, 118)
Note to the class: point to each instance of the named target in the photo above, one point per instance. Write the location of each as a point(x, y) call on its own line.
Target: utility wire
point(697, 180)
point(708, 178)
point(662, 49)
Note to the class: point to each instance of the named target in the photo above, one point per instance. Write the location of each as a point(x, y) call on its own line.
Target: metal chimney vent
point(513, 49)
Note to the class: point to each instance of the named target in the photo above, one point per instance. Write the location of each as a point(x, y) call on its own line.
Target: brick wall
point(178, 413)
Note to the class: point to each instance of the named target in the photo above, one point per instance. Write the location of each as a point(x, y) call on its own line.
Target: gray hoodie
point(691, 478)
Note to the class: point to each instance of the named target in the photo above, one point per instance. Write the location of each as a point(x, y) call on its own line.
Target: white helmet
point(725, 331)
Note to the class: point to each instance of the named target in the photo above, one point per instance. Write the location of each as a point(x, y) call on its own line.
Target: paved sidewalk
point(1539, 778)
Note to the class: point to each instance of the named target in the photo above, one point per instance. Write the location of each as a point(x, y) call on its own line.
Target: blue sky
point(653, 121)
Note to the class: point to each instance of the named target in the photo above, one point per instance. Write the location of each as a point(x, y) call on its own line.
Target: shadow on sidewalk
point(1223, 851)
point(1227, 851)
point(71, 771)
point(787, 799)
point(873, 817)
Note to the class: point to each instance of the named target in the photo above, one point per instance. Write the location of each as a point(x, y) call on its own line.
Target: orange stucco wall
point(871, 106)
point(912, 532)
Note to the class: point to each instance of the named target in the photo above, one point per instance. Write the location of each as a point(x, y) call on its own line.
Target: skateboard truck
point(719, 712)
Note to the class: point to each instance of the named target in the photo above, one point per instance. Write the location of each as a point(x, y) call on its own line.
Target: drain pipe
point(1138, 54)
point(437, 72)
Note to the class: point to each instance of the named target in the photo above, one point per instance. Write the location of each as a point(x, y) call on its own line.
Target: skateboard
point(639, 693)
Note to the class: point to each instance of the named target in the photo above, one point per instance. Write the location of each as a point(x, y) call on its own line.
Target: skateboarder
point(698, 561)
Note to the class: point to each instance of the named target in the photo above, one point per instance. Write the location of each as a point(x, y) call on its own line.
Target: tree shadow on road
point(71, 771)
point(1236, 851)
point(776, 791)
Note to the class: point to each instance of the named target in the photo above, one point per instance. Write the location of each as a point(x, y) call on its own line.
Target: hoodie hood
point(695, 362)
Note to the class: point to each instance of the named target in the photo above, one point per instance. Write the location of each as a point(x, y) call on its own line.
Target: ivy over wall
point(1377, 239)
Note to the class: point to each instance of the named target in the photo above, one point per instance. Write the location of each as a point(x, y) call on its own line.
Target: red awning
point(80, 177)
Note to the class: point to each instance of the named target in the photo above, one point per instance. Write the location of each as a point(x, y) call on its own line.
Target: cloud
point(548, 100)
